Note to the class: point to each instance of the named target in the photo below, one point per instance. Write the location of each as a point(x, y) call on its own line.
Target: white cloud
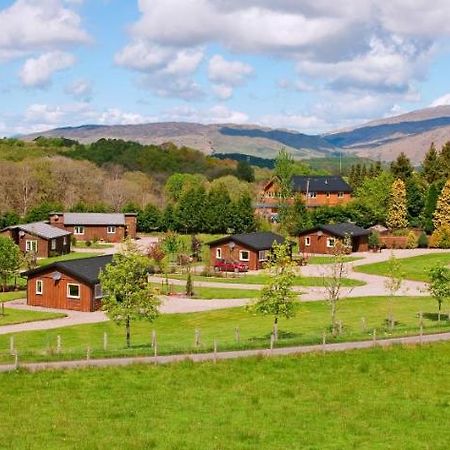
point(37, 72)
point(80, 90)
point(222, 91)
point(310, 123)
point(440, 101)
point(215, 114)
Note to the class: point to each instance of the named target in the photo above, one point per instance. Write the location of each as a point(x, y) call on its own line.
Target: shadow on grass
point(281, 335)
point(434, 316)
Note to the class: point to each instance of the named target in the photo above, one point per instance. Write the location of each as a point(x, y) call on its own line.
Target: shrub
point(73, 240)
point(374, 239)
point(422, 242)
point(411, 240)
point(441, 237)
point(88, 243)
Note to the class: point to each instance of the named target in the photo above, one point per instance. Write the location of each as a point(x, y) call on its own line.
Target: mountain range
point(382, 139)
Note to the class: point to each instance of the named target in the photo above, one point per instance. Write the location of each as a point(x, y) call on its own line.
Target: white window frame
point(218, 253)
point(39, 287)
point(340, 195)
point(78, 230)
point(262, 255)
point(307, 241)
point(29, 244)
point(329, 245)
point(312, 194)
point(53, 244)
point(98, 293)
point(68, 290)
point(241, 258)
point(111, 229)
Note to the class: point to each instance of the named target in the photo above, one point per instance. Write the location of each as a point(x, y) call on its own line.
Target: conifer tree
point(397, 212)
point(441, 216)
point(431, 166)
point(444, 160)
point(401, 168)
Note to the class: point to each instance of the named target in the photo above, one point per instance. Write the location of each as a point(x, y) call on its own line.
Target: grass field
point(175, 332)
point(13, 316)
point(264, 278)
point(369, 399)
point(8, 296)
point(73, 255)
point(94, 245)
point(330, 259)
point(206, 293)
point(415, 268)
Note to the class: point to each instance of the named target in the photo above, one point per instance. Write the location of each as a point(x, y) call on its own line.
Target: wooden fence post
point(88, 353)
point(363, 325)
point(324, 340)
point(374, 336)
point(105, 341)
point(197, 338)
point(58, 344)
point(153, 338)
point(16, 361)
point(215, 351)
point(272, 340)
point(12, 347)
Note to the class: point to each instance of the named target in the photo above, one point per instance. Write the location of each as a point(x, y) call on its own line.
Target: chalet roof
point(40, 229)
point(94, 219)
point(255, 241)
point(85, 269)
point(320, 184)
point(339, 229)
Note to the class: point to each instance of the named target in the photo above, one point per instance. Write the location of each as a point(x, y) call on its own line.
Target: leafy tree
point(297, 217)
point(401, 168)
point(217, 212)
point(432, 170)
point(431, 198)
point(414, 200)
point(444, 161)
point(277, 298)
point(245, 171)
point(149, 219)
point(190, 211)
point(284, 170)
point(10, 260)
point(168, 219)
point(172, 244)
point(178, 183)
point(42, 211)
point(439, 285)
point(8, 219)
point(243, 215)
point(397, 213)
point(128, 295)
point(442, 214)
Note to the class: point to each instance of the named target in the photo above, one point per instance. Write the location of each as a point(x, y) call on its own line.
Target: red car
point(230, 266)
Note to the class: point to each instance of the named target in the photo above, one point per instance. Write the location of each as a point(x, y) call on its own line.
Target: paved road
point(201, 357)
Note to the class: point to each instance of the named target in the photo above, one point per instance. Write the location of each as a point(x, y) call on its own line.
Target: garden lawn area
point(13, 316)
point(95, 245)
point(206, 293)
point(367, 399)
point(263, 278)
point(175, 332)
point(415, 268)
point(330, 259)
point(8, 296)
point(73, 255)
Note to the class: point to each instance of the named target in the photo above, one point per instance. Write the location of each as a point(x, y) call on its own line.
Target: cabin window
point(98, 293)
point(307, 241)
point(39, 287)
point(111, 229)
point(73, 290)
point(340, 195)
point(244, 255)
point(330, 242)
point(53, 244)
point(31, 246)
point(218, 253)
point(262, 255)
point(312, 194)
point(78, 230)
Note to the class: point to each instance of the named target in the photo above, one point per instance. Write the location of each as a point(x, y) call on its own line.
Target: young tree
point(284, 170)
point(393, 283)
point(439, 285)
point(441, 216)
point(128, 295)
point(10, 260)
point(297, 217)
point(277, 298)
point(397, 212)
point(245, 171)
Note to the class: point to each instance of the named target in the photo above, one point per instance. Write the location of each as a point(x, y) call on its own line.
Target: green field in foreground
point(13, 316)
point(263, 278)
point(415, 268)
point(393, 398)
point(15, 295)
point(73, 255)
point(175, 332)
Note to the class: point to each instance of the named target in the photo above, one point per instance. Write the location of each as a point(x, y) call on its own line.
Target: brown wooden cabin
point(106, 227)
point(248, 248)
point(39, 238)
point(72, 284)
point(322, 239)
point(314, 190)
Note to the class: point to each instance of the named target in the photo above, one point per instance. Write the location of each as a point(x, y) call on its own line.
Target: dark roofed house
point(40, 238)
point(248, 248)
point(315, 191)
point(322, 239)
point(72, 284)
point(107, 227)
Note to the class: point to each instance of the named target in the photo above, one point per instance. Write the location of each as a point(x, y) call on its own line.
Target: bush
point(441, 237)
point(412, 240)
point(73, 241)
point(422, 242)
point(374, 240)
point(88, 243)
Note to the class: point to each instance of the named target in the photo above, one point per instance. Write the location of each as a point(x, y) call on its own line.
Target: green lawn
point(415, 268)
point(8, 296)
point(206, 293)
point(176, 331)
point(264, 278)
point(330, 259)
point(95, 245)
point(73, 255)
point(392, 398)
point(13, 316)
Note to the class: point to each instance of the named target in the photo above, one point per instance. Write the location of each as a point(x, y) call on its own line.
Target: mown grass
point(264, 278)
point(415, 268)
point(176, 332)
point(14, 316)
point(207, 293)
point(330, 259)
point(9, 296)
point(392, 398)
point(69, 256)
point(94, 245)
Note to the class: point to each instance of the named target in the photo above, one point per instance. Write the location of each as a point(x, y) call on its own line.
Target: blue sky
point(309, 65)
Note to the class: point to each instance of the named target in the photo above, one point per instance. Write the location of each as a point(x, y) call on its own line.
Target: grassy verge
point(14, 316)
point(329, 259)
point(96, 245)
point(8, 296)
point(415, 268)
point(175, 332)
point(69, 256)
point(205, 293)
point(264, 278)
point(369, 399)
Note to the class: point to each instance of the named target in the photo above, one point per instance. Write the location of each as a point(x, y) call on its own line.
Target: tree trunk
point(275, 329)
point(333, 318)
point(127, 326)
point(439, 311)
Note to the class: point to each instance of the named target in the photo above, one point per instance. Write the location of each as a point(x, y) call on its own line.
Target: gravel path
point(201, 357)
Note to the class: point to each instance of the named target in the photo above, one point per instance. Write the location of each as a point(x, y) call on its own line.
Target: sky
point(306, 65)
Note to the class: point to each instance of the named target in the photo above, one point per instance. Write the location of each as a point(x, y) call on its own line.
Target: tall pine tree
point(441, 216)
point(397, 212)
point(401, 168)
point(432, 171)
